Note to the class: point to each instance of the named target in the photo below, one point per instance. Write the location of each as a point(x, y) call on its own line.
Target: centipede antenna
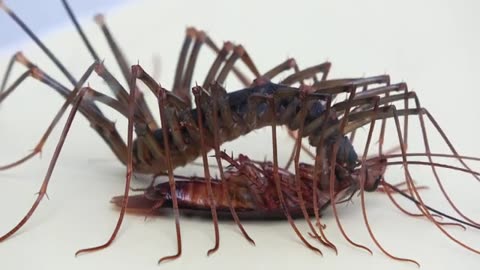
point(198, 92)
point(397, 190)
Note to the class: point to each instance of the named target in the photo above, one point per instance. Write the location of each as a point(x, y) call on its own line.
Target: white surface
point(433, 46)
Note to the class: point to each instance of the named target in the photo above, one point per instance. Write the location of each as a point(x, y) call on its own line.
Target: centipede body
point(104, 177)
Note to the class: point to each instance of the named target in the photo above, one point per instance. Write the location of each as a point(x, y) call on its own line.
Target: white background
point(432, 45)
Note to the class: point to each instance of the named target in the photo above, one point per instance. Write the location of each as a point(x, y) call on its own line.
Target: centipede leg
point(6, 75)
point(102, 125)
point(217, 92)
point(87, 108)
point(391, 111)
point(76, 97)
point(215, 67)
point(162, 96)
point(303, 92)
point(310, 72)
point(333, 162)
point(276, 177)
point(362, 184)
point(242, 77)
point(131, 112)
point(124, 67)
point(320, 172)
point(198, 92)
point(412, 95)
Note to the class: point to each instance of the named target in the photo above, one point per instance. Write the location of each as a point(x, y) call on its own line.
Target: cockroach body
point(251, 188)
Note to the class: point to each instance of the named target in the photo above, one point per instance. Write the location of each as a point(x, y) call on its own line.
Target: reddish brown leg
point(131, 111)
point(215, 90)
point(303, 92)
point(198, 92)
point(362, 185)
point(320, 172)
point(162, 96)
point(7, 74)
point(390, 111)
point(77, 99)
point(276, 177)
point(101, 124)
point(88, 108)
point(333, 163)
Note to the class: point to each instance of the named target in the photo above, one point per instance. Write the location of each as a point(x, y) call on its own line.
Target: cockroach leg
point(198, 92)
point(75, 97)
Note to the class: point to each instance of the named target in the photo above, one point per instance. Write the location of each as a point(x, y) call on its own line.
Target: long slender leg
point(362, 193)
point(333, 163)
point(389, 112)
point(102, 125)
point(7, 73)
point(161, 94)
point(221, 56)
point(198, 92)
point(77, 99)
point(310, 72)
point(277, 179)
point(303, 92)
point(215, 90)
point(131, 111)
point(110, 136)
point(123, 64)
point(405, 97)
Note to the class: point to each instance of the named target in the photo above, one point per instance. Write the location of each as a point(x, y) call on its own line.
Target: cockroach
point(314, 111)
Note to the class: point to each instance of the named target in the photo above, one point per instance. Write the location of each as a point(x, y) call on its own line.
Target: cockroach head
point(372, 172)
